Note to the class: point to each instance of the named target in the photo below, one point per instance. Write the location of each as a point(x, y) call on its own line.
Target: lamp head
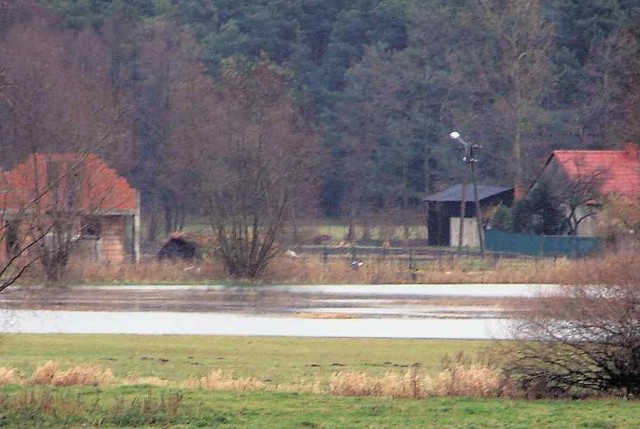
point(454, 135)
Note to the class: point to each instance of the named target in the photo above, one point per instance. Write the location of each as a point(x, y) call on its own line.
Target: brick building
point(589, 176)
point(79, 194)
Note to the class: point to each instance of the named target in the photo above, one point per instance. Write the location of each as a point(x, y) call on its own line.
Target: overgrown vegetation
point(585, 338)
point(318, 269)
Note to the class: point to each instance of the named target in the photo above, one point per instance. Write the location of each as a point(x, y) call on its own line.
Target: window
point(91, 227)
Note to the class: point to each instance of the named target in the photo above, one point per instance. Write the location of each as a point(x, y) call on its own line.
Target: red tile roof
point(619, 170)
point(69, 181)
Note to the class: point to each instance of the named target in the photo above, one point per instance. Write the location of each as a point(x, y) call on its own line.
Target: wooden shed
point(445, 205)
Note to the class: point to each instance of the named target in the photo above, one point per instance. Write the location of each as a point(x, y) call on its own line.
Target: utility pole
point(470, 166)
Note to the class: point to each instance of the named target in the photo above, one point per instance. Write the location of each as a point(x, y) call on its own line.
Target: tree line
point(365, 92)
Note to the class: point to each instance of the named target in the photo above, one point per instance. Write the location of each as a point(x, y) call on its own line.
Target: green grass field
point(272, 360)
point(278, 360)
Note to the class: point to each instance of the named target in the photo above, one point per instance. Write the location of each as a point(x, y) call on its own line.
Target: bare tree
point(251, 156)
point(264, 156)
point(579, 194)
point(585, 338)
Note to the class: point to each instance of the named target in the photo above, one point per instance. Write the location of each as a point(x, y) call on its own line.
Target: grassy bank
point(144, 407)
point(375, 269)
point(314, 269)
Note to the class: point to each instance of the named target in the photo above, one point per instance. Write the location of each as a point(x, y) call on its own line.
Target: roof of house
point(454, 193)
point(618, 171)
point(66, 181)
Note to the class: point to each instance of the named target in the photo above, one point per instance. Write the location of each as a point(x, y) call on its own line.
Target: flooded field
point(384, 311)
point(165, 323)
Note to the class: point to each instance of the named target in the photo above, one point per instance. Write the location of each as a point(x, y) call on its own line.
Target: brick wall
point(112, 248)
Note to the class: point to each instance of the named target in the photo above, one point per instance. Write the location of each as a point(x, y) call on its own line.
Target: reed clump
point(81, 375)
point(356, 383)
point(458, 379)
point(473, 381)
point(218, 380)
point(8, 376)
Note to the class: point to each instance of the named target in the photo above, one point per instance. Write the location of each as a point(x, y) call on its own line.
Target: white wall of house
point(588, 227)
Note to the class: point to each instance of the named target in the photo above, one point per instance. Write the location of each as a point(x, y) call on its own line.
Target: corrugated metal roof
point(454, 193)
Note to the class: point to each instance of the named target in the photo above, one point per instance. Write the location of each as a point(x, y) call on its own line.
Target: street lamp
point(470, 161)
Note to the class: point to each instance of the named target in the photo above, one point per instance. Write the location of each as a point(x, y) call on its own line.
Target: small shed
point(445, 205)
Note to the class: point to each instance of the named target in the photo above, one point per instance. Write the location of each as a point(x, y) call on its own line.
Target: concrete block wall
point(470, 233)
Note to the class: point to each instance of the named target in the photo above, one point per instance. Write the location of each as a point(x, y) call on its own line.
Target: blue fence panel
point(540, 245)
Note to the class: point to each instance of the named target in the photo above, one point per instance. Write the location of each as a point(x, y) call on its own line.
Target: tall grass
point(81, 375)
point(147, 271)
point(7, 376)
point(354, 383)
point(378, 270)
point(457, 380)
point(43, 407)
point(475, 381)
point(218, 380)
point(316, 269)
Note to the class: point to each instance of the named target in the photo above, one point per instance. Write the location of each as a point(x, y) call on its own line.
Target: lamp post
point(470, 161)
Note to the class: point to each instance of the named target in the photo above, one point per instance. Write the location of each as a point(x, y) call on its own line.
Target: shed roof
point(454, 193)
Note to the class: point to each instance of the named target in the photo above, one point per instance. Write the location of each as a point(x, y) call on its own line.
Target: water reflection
point(474, 290)
point(174, 323)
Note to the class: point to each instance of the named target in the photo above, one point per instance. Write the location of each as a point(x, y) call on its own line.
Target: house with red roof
point(98, 207)
point(585, 178)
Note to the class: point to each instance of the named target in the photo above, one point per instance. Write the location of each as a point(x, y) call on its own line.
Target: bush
point(585, 338)
point(502, 219)
point(539, 212)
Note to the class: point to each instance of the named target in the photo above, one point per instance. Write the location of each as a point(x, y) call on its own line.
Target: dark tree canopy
point(383, 82)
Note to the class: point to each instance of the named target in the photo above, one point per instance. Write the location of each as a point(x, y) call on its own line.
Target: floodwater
point(477, 290)
point(166, 323)
point(367, 311)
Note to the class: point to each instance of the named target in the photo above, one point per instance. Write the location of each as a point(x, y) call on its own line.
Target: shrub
point(502, 219)
point(585, 338)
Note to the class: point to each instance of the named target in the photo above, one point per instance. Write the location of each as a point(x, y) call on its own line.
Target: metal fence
point(540, 245)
